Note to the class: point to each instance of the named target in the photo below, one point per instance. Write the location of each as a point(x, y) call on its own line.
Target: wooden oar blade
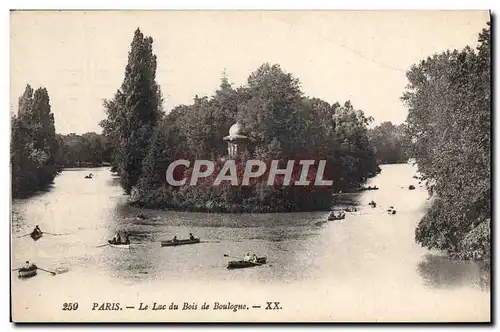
point(51, 272)
point(24, 235)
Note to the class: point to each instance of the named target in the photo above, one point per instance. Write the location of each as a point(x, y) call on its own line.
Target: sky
point(361, 56)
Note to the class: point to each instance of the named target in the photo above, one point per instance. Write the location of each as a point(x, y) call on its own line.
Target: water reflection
point(442, 272)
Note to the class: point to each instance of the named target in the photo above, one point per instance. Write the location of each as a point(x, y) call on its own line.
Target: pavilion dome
point(235, 130)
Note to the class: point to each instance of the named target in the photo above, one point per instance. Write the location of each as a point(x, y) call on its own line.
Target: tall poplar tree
point(135, 111)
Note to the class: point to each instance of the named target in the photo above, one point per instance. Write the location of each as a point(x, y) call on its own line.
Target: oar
point(225, 255)
point(107, 244)
point(242, 259)
point(56, 233)
point(210, 241)
point(24, 235)
point(16, 269)
point(53, 273)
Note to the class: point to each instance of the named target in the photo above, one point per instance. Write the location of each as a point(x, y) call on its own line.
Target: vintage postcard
point(250, 166)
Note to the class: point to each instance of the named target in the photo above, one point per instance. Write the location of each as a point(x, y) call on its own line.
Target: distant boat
point(36, 235)
point(369, 188)
point(172, 243)
point(123, 245)
point(27, 272)
point(334, 217)
point(243, 264)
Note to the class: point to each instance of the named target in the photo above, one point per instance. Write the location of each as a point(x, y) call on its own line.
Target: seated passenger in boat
point(254, 258)
point(247, 258)
point(175, 239)
point(28, 265)
point(191, 237)
point(37, 230)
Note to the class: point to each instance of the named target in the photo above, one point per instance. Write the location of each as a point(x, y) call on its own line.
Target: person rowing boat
point(118, 240)
point(250, 258)
point(37, 231)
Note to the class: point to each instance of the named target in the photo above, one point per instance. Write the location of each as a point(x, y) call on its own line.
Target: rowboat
point(119, 245)
point(243, 264)
point(35, 235)
point(178, 242)
point(333, 217)
point(369, 188)
point(27, 272)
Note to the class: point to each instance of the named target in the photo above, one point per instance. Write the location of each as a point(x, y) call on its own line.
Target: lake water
point(364, 268)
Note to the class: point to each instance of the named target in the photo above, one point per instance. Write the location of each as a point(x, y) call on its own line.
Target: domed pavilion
point(236, 140)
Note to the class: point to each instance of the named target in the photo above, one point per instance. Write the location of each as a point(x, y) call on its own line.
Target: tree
point(281, 123)
point(449, 101)
point(89, 149)
point(112, 126)
point(135, 111)
point(389, 142)
point(34, 146)
point(272, 112)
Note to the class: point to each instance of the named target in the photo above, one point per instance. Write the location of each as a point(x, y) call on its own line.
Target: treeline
point(390, 143)
point(33, 143)
point(86, 150)
point(449, 121)
point(280, 121)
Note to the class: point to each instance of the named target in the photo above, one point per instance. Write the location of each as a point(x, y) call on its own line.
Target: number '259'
point(70, 306)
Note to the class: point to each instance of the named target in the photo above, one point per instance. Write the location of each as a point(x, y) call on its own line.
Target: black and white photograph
point(296, 166)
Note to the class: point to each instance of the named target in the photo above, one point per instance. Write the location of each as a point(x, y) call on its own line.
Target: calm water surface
point(366, 267)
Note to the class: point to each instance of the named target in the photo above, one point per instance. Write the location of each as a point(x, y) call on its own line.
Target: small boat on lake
point(171, 243)
point(243, 264)
point(369, 188)
point(27, 272)
point(333, 216)
point(121, 245)
point(36, 235)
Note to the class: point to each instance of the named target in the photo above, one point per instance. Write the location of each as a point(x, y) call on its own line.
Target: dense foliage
point(33, 143)
point(134, 112)
point(390, 143)
point(449, 101)
point(281, 124)
point(87, 150)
